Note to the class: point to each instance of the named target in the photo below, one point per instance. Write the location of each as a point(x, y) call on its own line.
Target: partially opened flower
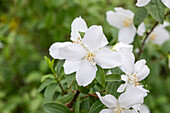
point(123, 20)
point(141, 3)
point(134, 72)
point(160, 34)
point(125, 101)
point(83, 55)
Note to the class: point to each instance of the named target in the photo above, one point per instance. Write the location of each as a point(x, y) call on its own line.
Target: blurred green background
point(29, 27)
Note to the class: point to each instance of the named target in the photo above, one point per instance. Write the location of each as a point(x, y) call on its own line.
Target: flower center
point(117, 110)
point(134, 79)
point(78, 41)
point(152, 36)
point(127, 22)
point(90, 57)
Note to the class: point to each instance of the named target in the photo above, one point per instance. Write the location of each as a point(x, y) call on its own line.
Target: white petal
point(141, 3)
point(141, 29)
point(144, 109)
point(70, 66)
point(136, 108)
point(85, 73)
point(166, 24)
point(145, 91)
point(120, 45)
point(106, 58)
point(115, 19)
point(127, 34)
point(108, 100)
point(72, 52)
point(131, 97)
point(78, 25)
point(161, 35)
point(122, 87)
point(166, 3)
point(127, 111)
point(54, 49)
point(141, 70)
point(107, 111)
point(125, 12)
point(128, 60)
point(94, 38)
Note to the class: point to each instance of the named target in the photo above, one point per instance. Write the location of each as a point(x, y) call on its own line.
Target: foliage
point(29, 27)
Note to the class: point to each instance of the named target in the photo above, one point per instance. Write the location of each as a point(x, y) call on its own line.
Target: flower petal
point(127, 111)
point(106, 58)
point(131, 97)
point(115, 19)
point(144, 109)
point(85, 73)
point(125, 12)
point(107, 111)
point(127, 34)
point(120, 45)
point(141, 70)
point(159, 36)
point(166, 3)
point(141, 3)
point(108, 100)
point(94, 38)
point(54, 49)
point(70, 66)
point(122, 87)
point(128, 60)
point(72, 52)
point(78, 25)
point(141, 29)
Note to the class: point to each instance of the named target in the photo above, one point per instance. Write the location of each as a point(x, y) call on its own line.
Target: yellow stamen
point(152, 36)
point(90, 57)
point(127, 22)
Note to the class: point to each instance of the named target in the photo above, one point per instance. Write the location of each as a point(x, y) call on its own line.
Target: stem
point(62, 89)
point(93, 95)
point(147, 35)
point(70, 104)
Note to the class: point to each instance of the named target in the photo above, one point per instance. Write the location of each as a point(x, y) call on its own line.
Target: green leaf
point(70, 79)
point(83, 89)
point(66, 98)
point(77, 106)
point(59, 67)
point(55, 108)
point(45, 84)
point(157, 10)
point(112, 88)
point(116, 70)
point(96, 107)
point(49, 62)
point(48, 76)
point(113, 77)
point(49, 92)
point(140, 15)
point(100, 76)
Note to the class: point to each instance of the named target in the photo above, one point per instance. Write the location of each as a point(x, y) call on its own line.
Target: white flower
point(134, 72)
point(83, 55)
point(78, 25)
point(141, 3)
point(159, 34)
point(125, 101)
point(123, 20)
point(144, 109)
